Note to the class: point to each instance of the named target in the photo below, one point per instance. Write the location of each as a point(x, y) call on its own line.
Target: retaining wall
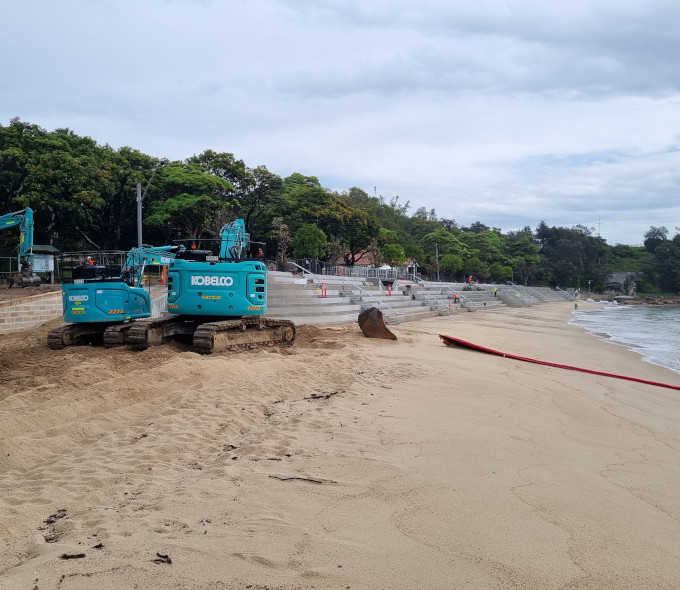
point(29, 312)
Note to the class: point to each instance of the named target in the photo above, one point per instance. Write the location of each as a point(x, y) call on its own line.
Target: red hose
point(450, 340)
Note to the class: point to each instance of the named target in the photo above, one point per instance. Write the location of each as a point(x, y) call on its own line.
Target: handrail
point(371, 296)
point(563, 293)
point(464, 301)
point(538, 295)
point(516, 294)
point(304, 270)
point(426, 294)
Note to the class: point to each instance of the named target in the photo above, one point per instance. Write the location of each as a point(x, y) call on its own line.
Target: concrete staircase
point(530, 295)
point(322, 299)
point(550, 294)
point(477, 297)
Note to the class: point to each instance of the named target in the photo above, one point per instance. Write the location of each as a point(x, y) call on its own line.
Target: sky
point(507, 112)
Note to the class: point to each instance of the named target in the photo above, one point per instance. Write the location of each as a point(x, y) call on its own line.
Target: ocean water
point(653, 332)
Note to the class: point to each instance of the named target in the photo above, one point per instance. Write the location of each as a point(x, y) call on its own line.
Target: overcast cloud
point(505, 112)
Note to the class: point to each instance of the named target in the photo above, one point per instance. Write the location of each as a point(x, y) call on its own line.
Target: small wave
point(650, 331)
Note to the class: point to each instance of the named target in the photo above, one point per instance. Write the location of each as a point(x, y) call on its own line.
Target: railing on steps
point(564, 294)
point(516, 297)
point(304, 271)
point(438, 304)
point(465, 302)
point(429, 297)
point(536, 294)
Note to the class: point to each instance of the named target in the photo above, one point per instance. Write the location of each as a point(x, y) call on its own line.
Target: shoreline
point(634, 337)
point(344, 462)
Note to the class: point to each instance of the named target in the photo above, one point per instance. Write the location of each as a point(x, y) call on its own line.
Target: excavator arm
point(234, 240)
point(24, 219)
point(138, 258)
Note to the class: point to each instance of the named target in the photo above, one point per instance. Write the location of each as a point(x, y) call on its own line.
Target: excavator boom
point(24, 219)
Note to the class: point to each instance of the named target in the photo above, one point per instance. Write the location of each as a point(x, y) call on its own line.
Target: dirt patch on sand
point(7, 294)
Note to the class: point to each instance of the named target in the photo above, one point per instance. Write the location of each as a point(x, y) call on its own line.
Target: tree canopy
point(84, 198)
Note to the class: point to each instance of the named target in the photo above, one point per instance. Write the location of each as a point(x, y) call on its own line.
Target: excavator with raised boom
point(216, 301)
point(24, 218)
point(102, 302)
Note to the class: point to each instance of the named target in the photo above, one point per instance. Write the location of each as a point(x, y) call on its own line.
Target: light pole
point(436, 255)
point(140, 198)
point(589, 281)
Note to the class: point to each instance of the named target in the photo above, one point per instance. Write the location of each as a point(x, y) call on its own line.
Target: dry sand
point(341, 462)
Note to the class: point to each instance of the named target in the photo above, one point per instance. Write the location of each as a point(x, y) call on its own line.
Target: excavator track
point(216, 336)
point(242, 334)
point(60, 337)
point(74, 335)
point(149, 332)
point(116, 335)
point(89, 333)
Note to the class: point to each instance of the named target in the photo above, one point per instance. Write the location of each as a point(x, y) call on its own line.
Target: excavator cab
point(95, 272)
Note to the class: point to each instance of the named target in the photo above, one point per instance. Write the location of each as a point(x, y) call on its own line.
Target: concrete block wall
point(29, 311)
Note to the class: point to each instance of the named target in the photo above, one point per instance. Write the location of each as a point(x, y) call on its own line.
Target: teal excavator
point(216, 300)
point(24, 219)
point(101, 302)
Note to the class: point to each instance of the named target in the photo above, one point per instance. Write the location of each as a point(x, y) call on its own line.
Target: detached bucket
point(372, 324)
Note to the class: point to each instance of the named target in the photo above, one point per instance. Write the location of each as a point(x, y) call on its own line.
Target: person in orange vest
point(89, 260)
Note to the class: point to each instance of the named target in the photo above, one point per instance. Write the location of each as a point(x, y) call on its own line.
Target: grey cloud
point(505, 112)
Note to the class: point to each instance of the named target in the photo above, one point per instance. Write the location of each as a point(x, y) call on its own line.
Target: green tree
point(263, 200)
point(309, 240)
point(225, 166)
point(393, 254)
point(451, 264)
point(654, 237)
point(387, 236)
point(359, 229)
point(281, 235)
point(191, 197)
point(500, 272)
point(66, 182)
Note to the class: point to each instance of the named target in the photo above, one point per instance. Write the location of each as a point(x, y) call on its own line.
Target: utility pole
point(140, 198)
point(436, 255)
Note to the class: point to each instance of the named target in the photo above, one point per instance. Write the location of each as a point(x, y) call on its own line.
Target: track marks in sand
point(149, 449)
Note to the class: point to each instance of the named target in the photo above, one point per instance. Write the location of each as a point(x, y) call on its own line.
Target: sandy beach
point(341, 462)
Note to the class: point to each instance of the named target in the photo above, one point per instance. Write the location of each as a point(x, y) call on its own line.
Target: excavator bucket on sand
point(373, 326)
